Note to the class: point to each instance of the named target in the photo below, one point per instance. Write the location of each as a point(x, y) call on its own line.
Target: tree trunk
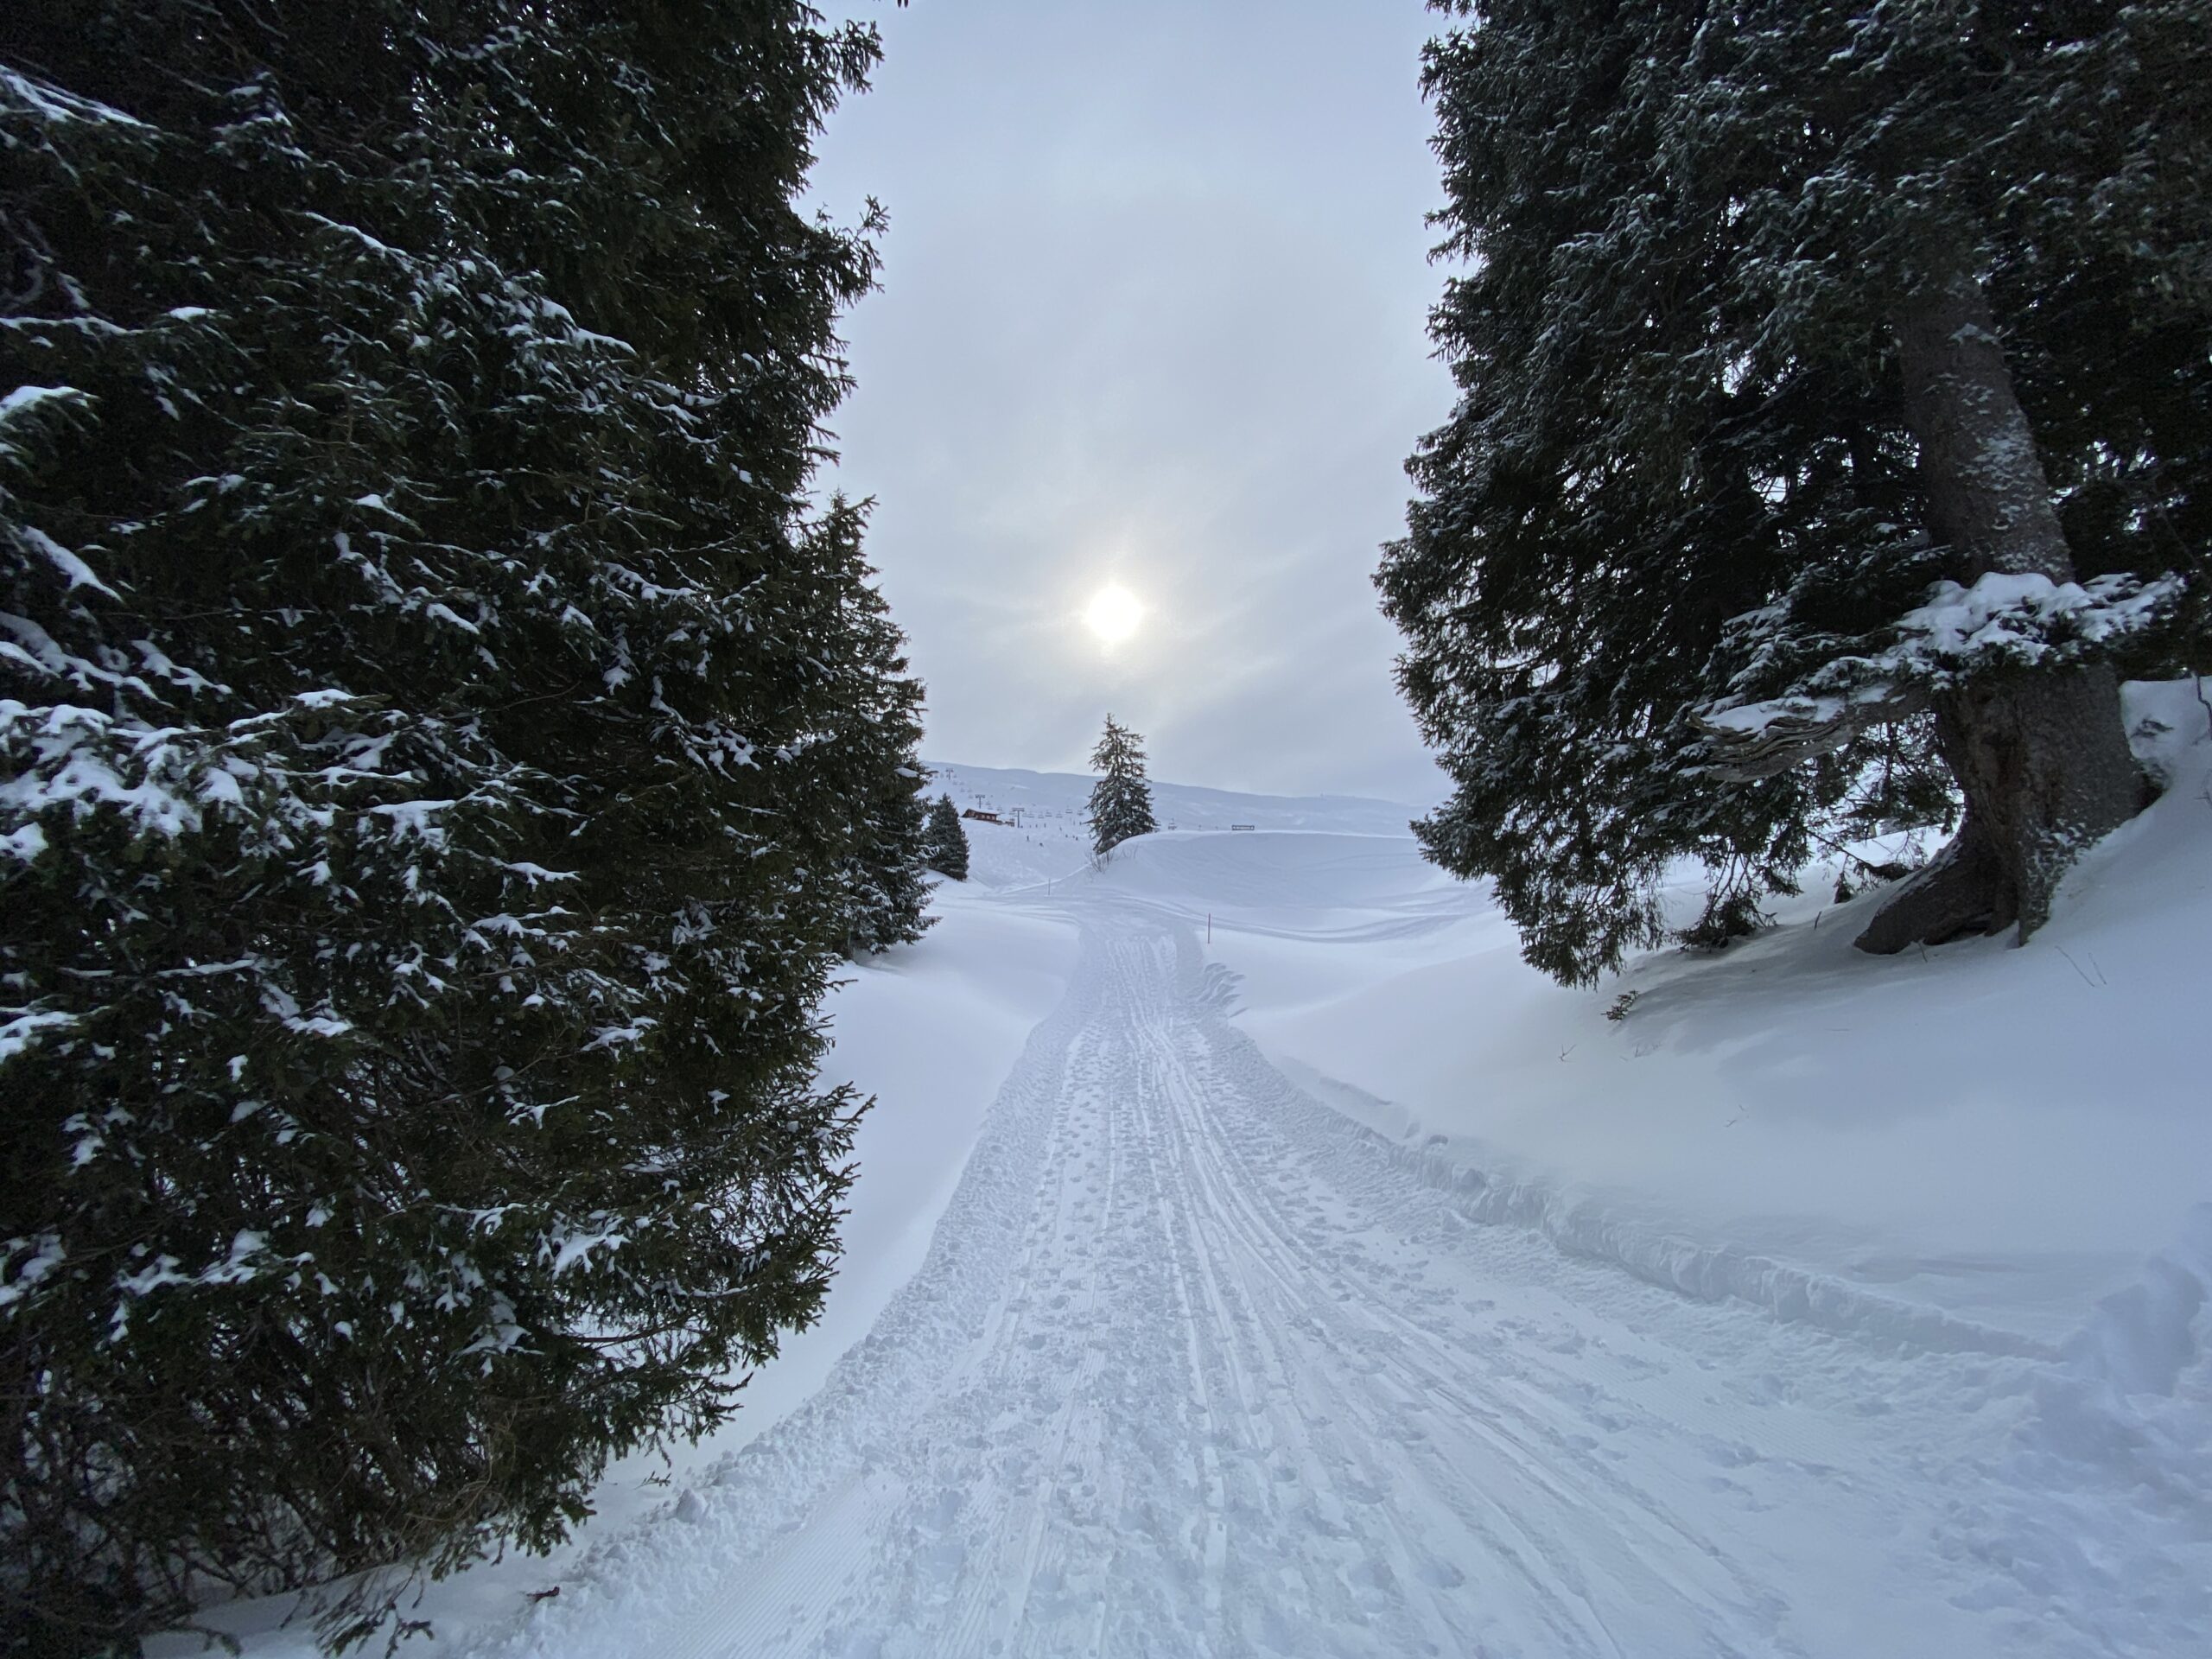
point(2041, 758)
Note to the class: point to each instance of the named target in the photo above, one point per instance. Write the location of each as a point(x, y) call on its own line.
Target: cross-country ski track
point(1196, 1364)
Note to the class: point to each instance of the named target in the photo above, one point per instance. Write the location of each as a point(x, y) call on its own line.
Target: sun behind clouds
point(1113, 614)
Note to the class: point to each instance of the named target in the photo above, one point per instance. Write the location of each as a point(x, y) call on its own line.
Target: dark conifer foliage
point(948, 840)
point(877, 718)
point(437, 746)
point(1121, 801)
point(1667, 586)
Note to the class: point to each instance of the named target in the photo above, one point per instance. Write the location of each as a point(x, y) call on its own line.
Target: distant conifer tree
point(435, 748)
point(1121, 801)
point(948, 840)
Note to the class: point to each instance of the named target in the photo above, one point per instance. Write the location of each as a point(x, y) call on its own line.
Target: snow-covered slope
point(1252, 1255)
point(1047, 833)
point(1993, 1134)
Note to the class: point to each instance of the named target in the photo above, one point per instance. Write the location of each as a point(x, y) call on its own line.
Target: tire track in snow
point(1192, 1367)
point(1364, 1364)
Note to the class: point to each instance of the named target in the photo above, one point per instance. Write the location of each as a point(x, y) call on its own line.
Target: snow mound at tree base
point(1995, 1137)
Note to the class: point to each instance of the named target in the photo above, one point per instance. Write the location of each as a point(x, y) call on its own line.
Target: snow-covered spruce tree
point(948, 840)
point(877, 717)
point(427, 769)
point(1732, 404)
point(1121, 801)
point(887, 893)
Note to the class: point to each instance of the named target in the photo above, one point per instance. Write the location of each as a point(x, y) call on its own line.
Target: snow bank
point(1970, 1147)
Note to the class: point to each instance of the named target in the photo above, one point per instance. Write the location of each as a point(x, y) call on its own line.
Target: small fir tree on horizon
point(946, 841)
point(1121, 801)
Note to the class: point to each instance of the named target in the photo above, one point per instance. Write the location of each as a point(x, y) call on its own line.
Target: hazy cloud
point(1153, 312)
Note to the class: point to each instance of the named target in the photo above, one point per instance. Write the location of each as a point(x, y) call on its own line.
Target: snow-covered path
point(1196, 1365)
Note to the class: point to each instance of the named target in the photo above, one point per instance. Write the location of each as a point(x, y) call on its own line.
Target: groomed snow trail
point(1195, 1366)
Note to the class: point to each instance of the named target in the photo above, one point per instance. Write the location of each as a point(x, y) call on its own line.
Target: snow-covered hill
point(1250, 1255)
point(1045, 832)
point(1986, 1139)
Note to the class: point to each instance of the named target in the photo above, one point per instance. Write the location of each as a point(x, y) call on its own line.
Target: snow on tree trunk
point(2041, 759)
point(1672, 588)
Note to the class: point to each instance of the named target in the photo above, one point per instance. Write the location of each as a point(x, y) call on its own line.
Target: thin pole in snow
point(1209, 927)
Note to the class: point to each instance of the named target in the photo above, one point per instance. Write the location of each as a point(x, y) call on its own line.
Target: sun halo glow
point(1113, 614)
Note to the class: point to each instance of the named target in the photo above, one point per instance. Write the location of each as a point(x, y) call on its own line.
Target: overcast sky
point(1153, 312)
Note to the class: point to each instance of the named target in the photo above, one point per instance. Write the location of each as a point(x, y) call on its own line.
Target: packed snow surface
point(1250, 1256)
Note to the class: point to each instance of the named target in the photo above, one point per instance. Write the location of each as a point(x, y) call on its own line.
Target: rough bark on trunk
point(2041, 758)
